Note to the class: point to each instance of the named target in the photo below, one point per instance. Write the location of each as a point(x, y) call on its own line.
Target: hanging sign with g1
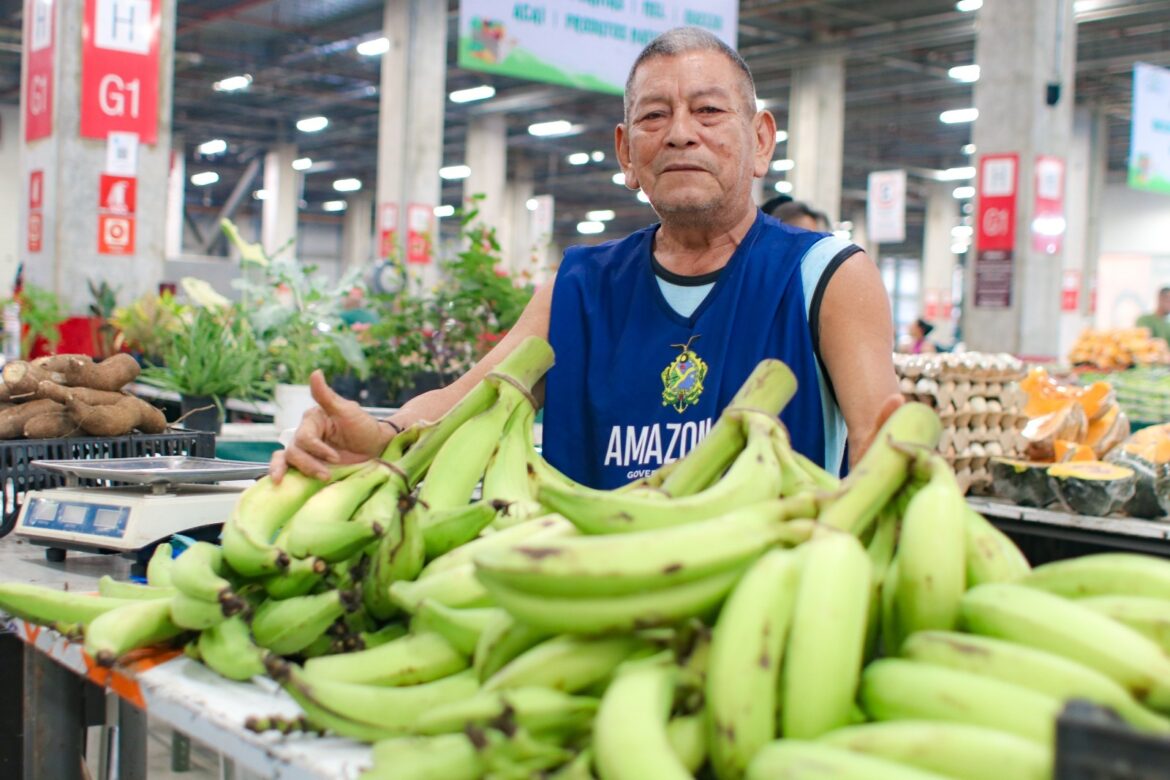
point(119, 68)
point(39, 32)
point(995, 232)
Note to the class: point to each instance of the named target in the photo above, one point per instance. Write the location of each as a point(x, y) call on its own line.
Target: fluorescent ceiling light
point(783, 165)
point(556, 127)
point(302, 164)
point(968, 149)
point(260, 194)
point(784, 187)
point(962, 231)
point(312, 124)
point(333, 205)
point(781, 136)
point(958, 115)
point(214, 146)
point(232, 83)
point(967, 6)
point(760, 104)
point(452, 172)
point(619, 178)
point(964, 73)
point(959, 249)
point(444, 211)
point(963, 193)
point(482, 92)
point(956, 174)
point(642, 197)
point(373, 47)
point(578, 158)
point(203, 178)
point(588, 228)
point(597, 156)
point(601, 215)
point(347, 185)
point(532, 204)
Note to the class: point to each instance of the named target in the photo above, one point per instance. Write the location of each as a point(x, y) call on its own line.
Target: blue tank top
point(636, 384)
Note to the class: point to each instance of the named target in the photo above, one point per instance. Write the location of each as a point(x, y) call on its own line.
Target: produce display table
point(1112, 533)
point(168, 687)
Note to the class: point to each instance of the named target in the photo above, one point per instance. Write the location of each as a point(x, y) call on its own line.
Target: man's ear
point(764, 129)
point(621, 143)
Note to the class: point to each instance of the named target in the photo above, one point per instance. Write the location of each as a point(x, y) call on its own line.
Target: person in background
point(353, 309)
point(1158, 321)
point(801, 215)
point(772, 204)
point(918, 343)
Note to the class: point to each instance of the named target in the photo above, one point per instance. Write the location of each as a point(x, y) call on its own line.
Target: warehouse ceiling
point(302, 58)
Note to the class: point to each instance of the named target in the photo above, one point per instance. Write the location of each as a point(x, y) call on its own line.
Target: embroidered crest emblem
point(682, 380)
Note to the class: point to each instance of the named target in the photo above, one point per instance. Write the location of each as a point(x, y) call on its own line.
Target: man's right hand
point(335, 431)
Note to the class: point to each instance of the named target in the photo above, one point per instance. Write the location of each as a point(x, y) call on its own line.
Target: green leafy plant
point(102, 309)
point(148, 324)
point(41, 314)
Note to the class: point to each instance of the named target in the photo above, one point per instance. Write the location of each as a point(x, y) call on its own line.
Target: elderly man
point(715, 283)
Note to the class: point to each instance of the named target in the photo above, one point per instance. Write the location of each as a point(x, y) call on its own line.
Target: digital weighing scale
point(167, 495)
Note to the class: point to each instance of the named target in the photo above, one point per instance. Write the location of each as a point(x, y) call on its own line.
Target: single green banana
point(991, 555)
point(332, 505)
point(456, 587)
point(290, 625)
point(754, 476)
point(399, 555)
point(507, 476)
point(1103, 574)
point(199, 573)
point(108, 586)
point(623, 564)
point(445, 529)
point(796, 760)
point(630, 739)
point(195, 614)
point(612, 614)
point(897, 689)
point(461, 627)
point(446, 756)
point(883, 469)
point(1046, 622)
point(503, 639)
point(338, 540)
point(824, 481)
point(379, 637)
point(565, 663)
point(545, 527)
point(535, 709)
point(957, 750)
point(410, 660)
point(1041, 671)
point(687, 735)
point(158, 568)
point(112, 634)
point(743, 669)
point(38, 604)
point(1147, 615)
point(826, 643)
point(301, 577)
point(229, 650)
point(881, 547)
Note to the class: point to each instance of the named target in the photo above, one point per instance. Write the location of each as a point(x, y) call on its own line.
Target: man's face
point(691, 143)
point(1164, 303)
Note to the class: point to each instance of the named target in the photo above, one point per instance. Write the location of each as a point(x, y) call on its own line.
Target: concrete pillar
point(410, 127)
point(1087, 165)
point(176, 199)
point(12, 192)
point(71, 166)
point(938, 261)
point(278, 213)
point(487, 156)
point(357, 231)
point(816, 132)
point(1022, 49)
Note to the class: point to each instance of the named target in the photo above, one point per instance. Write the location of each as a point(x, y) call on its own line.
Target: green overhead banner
point(1149, 147)
point(588, 44)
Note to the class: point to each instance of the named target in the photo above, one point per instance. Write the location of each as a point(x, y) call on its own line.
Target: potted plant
point(41, 315)
point(214, 355)
point(145, 326)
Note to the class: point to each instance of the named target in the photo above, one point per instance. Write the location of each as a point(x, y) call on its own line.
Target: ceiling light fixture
point(968, 149)
point(312, 124)
point(760, 104)
point(333, 205)
point(967, 74)
point(968, 6)
point(444, 211)
point(302, 164)
point(554, 128)
point(959, 248)
point(590, 228)
point(783, 187)
point(347, 185)
point(958, 115)
point(482, 92)
point(203, 178)
point(597, 156)
point(532, 204)
point(781, 136)
point(578, 158)
point(783, 165)
point(601, 215)
point(619, 178)
point(454, 172)
point(260, 194)
point(233, 83)
point(963, 193)
point(956, 174)
point(374, 47)
point(642, 197)
point(962, 231)
point(214, 146)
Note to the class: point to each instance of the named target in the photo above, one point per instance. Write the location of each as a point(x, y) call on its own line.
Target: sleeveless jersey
point(636, 384)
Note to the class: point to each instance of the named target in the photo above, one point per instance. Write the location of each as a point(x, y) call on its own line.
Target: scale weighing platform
point(168, 495)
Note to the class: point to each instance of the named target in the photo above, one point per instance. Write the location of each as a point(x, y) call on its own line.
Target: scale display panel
point(76, 517)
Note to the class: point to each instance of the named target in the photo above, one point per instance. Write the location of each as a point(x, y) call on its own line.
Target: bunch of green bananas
point(739, 613)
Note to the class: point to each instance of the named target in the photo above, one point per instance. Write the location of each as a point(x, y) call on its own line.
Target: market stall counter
point(1100, 533)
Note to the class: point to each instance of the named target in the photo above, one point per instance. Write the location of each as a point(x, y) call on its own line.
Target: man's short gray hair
point(681, 40)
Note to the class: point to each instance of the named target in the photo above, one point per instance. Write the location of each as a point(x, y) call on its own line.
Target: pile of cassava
point(71, 395)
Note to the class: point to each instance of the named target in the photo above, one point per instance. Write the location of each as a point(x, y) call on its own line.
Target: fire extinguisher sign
point(119, 68)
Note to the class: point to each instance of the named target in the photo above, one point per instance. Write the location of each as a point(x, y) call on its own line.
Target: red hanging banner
point(36, 205)
point(995, 231)
point(40, 32)
point(119, 68)
point(387, 230)
point(1048, 223)
point(1070, 289)
point(419, 218)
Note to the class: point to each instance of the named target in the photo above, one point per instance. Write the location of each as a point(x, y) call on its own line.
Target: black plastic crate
point(18, 477)
point(1092, 743)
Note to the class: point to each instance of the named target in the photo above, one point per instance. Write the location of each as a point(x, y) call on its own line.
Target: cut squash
point(1095, 488)
point(1107, 431)
point(1097, 399)
point(1068, 423)
point(1021, 482)
point(1065, 451)
point(1147, 453)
